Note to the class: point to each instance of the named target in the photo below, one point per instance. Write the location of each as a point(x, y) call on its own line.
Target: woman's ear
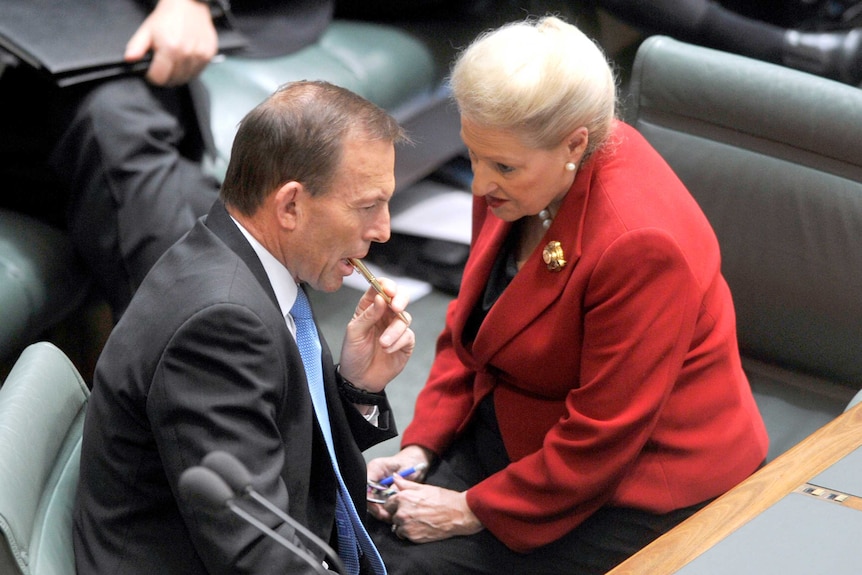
point(577, 143)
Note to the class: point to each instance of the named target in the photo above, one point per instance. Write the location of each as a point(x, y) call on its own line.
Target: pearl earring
point(570, 166)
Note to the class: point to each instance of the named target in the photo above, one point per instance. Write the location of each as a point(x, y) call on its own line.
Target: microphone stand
point(238, 478)
point(205, 487)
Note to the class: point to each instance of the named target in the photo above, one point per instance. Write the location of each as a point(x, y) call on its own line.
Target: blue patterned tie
point(351, 531)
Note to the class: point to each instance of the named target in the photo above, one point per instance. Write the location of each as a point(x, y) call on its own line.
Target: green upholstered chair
point(42, 407)
point(41, 280)
point(381, 62)
point(772, 155)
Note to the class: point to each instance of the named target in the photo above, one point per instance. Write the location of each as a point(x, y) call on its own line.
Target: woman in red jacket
point(587, 393)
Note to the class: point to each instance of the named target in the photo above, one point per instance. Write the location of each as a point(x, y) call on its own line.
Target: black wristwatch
point(356, 395)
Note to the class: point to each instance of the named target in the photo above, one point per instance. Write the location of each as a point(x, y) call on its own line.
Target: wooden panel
point(785, 474)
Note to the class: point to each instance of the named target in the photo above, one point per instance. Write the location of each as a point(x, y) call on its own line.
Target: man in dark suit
point(205, 358)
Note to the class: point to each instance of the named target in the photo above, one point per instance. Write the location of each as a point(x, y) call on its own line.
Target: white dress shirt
point(285, 293)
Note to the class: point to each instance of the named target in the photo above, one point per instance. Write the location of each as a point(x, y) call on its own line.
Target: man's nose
point(380, 230)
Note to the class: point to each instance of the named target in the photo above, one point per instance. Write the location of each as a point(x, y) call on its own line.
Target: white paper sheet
point(431, 209)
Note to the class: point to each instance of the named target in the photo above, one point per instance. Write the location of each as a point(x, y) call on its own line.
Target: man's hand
point(377, 343)
point(182, 38)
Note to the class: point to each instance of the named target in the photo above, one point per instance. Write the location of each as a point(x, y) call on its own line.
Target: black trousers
point(117, 164)
point(753, 29)
point(600, 543)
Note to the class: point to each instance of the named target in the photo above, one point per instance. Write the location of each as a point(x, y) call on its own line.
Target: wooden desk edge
point(679, 546)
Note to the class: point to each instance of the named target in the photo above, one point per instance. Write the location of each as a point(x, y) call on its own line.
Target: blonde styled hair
point(540, 79)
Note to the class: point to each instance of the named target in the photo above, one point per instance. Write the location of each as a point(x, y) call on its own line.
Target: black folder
point(77, 41)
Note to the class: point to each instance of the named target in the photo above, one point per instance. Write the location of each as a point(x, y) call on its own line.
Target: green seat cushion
point(41, 280)
point(381, 63)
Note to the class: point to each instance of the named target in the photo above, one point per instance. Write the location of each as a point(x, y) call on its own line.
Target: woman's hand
point(410, 456)
point(418, 512)
point(380, 468)
point(424, 513)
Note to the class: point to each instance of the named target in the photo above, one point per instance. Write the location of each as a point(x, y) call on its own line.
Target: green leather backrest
point(42, 407)
point(41, 280)
point(774, 157)
point(381, 63)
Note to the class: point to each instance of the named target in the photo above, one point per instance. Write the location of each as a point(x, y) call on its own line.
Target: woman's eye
point(504, 169)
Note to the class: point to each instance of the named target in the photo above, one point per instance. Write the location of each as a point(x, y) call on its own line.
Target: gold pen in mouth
point(369, 277)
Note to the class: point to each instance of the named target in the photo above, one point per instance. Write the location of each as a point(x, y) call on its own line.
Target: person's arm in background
point(181, 37)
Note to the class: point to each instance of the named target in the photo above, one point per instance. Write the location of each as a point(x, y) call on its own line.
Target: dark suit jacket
point(279, 27)
point(203, 360)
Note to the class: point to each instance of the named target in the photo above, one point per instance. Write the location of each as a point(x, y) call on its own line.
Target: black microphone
point(203, 486)
point(238, 478)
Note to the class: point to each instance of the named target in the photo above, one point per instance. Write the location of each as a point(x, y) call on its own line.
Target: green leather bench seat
point(772, 157)
point(383, 63)
point(41, 280)
point(43, 404)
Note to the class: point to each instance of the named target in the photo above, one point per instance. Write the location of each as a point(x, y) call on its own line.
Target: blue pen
point(387, 481)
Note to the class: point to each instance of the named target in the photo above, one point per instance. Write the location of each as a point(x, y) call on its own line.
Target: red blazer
point(617, 380)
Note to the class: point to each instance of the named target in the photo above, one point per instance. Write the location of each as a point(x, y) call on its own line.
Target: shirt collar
point(279, 276)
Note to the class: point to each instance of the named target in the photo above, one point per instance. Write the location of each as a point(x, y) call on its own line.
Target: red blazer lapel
point(535, 287)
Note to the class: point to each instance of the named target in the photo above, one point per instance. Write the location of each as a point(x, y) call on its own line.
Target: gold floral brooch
point(553, 256)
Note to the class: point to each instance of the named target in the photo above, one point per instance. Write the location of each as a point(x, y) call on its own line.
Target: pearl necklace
point(546, 217)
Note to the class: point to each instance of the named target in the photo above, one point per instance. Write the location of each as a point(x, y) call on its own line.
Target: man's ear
point(284, 202)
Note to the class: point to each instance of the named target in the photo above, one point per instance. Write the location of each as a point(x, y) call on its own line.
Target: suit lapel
point(221, 224)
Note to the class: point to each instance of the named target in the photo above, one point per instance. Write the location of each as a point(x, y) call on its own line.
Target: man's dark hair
point(297, 134)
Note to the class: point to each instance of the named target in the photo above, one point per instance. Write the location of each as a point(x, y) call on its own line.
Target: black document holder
point(81, 40)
